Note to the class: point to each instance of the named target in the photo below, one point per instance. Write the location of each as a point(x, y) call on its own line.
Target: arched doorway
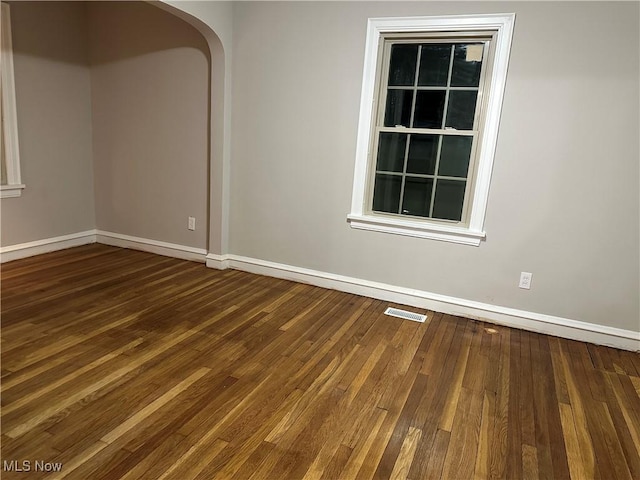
point(207, 18)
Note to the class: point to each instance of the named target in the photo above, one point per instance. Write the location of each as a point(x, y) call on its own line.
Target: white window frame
point(9, 134)
point(501, 25)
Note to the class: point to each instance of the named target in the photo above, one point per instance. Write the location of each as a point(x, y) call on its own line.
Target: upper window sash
point(382, 82)
point(500, 27)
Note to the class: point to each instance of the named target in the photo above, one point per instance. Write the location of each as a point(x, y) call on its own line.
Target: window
point(10, 184)
point(430, 108)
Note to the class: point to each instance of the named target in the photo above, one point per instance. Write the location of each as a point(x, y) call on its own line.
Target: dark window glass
point(417, 196)
point(402, 67)
point(423, 150)
point(449, 199)
point(398, 109)
point(434, 65)
point(386, 193)
point(461, 109)
point(467, 62)
point(454, 156)
point(418, 97)
point(391, 148)
point(429, 109)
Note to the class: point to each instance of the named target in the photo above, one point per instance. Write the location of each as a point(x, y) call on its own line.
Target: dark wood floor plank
point(625, 419)
point(514, 427)
point(526, 412)
point(552, 448)
point(124, 364)
point(498, 410)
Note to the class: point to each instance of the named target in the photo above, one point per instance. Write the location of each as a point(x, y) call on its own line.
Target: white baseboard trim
point(219, 262)
point(510, 317)
point(152, 246)
point(46, 245)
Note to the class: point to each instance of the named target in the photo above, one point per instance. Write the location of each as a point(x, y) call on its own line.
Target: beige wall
point(564, 196)
point(149, 85)
point(564, 199)
point(116, 95)
point(54, 122)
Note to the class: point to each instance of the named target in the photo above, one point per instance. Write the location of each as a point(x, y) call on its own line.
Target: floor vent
point(396, 312)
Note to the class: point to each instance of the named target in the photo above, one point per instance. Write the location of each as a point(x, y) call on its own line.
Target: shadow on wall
point(38, 24)
point(141, 29)
point(37, 27)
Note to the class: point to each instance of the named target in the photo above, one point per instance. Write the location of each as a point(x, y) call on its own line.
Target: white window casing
point(500, 26)
point(9, 134)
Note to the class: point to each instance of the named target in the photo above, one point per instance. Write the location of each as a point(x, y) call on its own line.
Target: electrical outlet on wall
point(525, 280)
point(192, 223)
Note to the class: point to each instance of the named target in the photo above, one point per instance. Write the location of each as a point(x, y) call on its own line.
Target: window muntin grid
point(426, 127)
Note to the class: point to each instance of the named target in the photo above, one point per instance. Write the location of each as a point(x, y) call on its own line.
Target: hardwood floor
point(119, 364)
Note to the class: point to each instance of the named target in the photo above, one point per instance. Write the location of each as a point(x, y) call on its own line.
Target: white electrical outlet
point(525, 280)
point(192, 223)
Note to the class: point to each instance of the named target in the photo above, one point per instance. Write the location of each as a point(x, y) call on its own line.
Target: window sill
point(8, 191)
point(418, 229)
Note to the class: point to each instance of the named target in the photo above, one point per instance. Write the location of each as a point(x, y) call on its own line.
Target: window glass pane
point(386, 193)
point(434, 64)
point(461, 109)
point(449, 199)
point(429, 109)
point(467, 62)
point(398, 109)
point(454, 156)
point(417, 196)
point(391, 150)
point(423, 150)
point(402, 67)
